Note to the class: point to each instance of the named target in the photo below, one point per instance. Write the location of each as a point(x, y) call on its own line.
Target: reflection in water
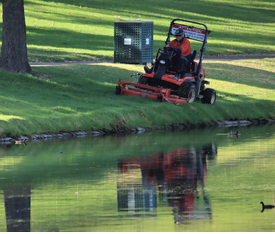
point(148, 182)
point(177, 174)
point(266, 206)
point(17, 206)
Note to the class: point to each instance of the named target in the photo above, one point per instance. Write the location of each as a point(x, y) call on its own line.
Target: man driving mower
point(182, 52)
point(175, 76)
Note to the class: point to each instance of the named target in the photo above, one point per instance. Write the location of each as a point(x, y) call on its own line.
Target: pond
point(185, 181)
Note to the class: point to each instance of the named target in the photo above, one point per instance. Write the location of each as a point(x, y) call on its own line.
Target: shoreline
point(126, 131)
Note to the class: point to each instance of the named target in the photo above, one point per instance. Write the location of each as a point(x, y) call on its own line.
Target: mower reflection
point(176, 178)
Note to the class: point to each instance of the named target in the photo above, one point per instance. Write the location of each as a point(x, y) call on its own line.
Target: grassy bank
point(68, 30)
point(82, 97)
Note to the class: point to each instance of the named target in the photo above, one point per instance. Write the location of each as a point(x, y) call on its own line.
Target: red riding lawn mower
point(159, 83)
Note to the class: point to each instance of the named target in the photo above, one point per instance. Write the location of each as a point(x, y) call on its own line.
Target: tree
point(14, 57)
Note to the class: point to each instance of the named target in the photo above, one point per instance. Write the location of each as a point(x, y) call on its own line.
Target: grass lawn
point(81, 97)
point(69, 30)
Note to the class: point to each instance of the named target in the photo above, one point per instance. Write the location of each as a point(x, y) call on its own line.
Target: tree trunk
point(14, 57)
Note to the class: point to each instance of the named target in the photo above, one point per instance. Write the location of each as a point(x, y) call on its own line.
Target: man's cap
point(178, 32)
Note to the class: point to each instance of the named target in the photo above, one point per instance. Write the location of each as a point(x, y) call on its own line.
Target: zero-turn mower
point(159, 83)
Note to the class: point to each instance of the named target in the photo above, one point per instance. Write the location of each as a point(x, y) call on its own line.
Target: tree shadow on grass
point(59, 40)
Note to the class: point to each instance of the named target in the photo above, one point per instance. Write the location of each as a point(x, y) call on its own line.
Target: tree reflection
point(17, 206)
point(180, 177)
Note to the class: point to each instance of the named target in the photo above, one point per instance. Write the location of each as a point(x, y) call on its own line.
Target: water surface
point(199, 180)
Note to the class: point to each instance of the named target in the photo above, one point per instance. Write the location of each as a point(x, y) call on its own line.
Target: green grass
point(68, 30)
point(81, 97)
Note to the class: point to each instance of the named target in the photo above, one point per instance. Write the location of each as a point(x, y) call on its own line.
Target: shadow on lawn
point(210, 12)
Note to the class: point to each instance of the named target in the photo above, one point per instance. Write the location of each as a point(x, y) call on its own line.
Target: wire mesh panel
point(133, 42)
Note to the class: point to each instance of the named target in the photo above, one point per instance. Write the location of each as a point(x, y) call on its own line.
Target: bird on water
point(236, 134)
point(19, 142)
point(266, 206)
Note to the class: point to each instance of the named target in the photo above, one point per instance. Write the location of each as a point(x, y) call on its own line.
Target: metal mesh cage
point(133, 42)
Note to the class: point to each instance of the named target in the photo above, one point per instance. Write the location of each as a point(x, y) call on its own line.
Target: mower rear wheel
point(188, 92)
point(209, 96)
point(142, 80)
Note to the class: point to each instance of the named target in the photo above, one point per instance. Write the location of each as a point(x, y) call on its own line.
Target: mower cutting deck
point(159, 94)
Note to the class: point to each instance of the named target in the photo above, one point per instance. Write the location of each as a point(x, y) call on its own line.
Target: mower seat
point(192, 63)
point(189, 67)
point(193, 56)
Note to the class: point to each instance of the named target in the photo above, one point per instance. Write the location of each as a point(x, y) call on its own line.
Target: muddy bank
point(138, 130)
